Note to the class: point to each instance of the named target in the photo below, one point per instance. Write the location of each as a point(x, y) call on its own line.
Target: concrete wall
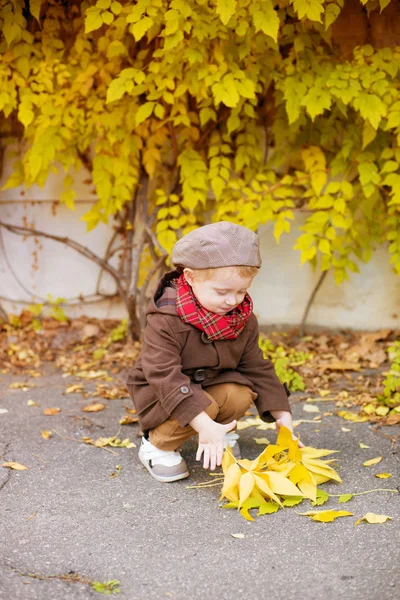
point(371, 300)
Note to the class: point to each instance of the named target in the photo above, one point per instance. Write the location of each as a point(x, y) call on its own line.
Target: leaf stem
point(366, 492)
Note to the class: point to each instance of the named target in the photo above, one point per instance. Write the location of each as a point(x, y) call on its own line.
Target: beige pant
point(229, 401)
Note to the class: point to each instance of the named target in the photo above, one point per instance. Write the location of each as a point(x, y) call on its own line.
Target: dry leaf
point(340, 365)
point(71, 389)
point(238, 536)
point(392, 420)
point(382, 411)
point(15, 465)
point(383, 475)
point(363, 445)
point(51, 411)
point(311, 408)
point(372, 461)
point(95, 407)
point(131, 411)
point(345, 429)
point(261, 441)
point(3, 411)
point(46, 434)
point(19, 385)
point(94, 375)
point(350, 416)
point(324, 393)
point(128, 420)
point(373, 518)
point(32, 403)
point(326, 516)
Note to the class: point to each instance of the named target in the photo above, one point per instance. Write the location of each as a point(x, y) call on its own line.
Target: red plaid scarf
point(215, 327)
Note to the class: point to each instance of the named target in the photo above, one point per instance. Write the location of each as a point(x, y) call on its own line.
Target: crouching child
point(200, 367)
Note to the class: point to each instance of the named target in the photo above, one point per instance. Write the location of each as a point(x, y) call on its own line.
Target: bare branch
point(19, 230)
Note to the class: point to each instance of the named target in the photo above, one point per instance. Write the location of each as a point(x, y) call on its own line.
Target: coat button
point(184, 389)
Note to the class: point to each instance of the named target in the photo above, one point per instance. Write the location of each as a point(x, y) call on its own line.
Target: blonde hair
point(241, 270)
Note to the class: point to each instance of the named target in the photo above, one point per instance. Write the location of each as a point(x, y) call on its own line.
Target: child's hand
point(284, 419)
point(211, 437)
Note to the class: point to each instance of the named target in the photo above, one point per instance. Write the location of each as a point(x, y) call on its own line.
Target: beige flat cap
point(221, 244)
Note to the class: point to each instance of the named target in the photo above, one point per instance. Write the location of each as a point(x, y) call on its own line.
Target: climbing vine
point(186, 111)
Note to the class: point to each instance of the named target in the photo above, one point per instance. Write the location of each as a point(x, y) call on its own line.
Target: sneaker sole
point(163, 478)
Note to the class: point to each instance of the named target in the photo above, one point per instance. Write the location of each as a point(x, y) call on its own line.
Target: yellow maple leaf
point(383, 475)
point(46, 434)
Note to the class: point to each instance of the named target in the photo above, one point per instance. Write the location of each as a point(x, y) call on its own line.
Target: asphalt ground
point(73, 518)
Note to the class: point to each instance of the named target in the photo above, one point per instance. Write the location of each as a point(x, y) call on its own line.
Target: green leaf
point(269, 508)
point(345, 498)
point(225, 9)
point(311, 9)
point(332, 11)
point(371, 108)
point(144, 112)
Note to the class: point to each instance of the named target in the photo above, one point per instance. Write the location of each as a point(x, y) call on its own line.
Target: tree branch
point(19, 230)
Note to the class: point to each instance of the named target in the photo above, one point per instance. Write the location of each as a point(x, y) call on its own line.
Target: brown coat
point(162, 383)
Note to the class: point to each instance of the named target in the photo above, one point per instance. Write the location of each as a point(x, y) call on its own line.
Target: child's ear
point(189, 275)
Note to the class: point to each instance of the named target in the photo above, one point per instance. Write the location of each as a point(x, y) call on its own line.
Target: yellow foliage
point(281, 471)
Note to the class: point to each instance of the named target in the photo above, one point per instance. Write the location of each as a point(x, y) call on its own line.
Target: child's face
point(221, 292)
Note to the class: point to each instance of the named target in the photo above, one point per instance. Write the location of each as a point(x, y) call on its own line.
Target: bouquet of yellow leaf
point(282, 475)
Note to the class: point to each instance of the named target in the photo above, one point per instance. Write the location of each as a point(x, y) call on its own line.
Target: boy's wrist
point(201, 422)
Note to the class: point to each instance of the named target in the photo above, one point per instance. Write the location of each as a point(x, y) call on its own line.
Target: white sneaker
point(162, 465)
point(231, 439)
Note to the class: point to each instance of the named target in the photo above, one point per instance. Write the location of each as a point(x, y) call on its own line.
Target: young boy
point(200, 367)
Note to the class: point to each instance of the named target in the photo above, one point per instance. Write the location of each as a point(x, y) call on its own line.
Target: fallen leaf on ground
point(3, 411)
point(111, 441)
point(239, 536)
point(51, 411)
point(46, 434)
point(15, 465)
point(262, 441)
point(131, 411)
point(17, 385)
point(392, 420)
point(373, 518)
point(128, 420)
point(345, 498)
point(324, 393)
point(94, 375)
point(340, 365)
point(383, 475)
point(326, 516)
point(311, 408)
point(95, 407)
point(32, 403)
point(372, 461)
point(350, 416)
point(71, 389)
point(363, 445)
point(382, 411)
